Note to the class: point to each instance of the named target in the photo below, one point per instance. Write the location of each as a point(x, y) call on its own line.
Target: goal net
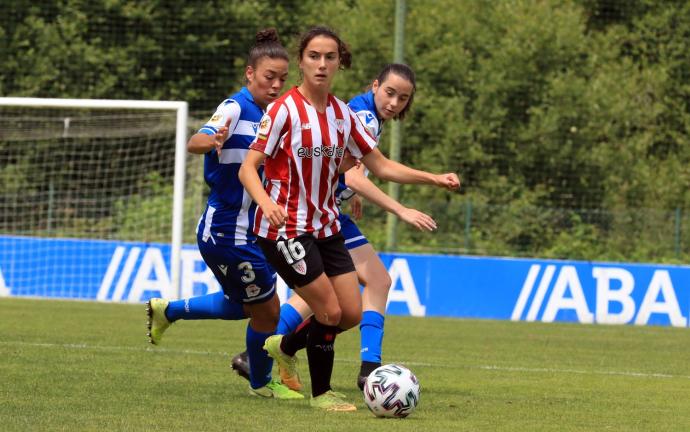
point(85, 187)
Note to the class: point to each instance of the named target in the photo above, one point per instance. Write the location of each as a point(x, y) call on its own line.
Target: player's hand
point(417, 219)
point(276, 215)
point(356, 207)
point(221, 136)
point(450, 181)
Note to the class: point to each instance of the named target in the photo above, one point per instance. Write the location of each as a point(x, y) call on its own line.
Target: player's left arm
point(387, 169)
point(363, 146)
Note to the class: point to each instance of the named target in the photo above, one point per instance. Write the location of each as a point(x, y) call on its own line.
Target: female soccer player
point(302, 142)
point(390, 97)
point(224, 234)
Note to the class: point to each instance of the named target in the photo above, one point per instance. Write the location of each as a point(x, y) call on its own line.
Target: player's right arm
point(387, 169)
point(217, 130)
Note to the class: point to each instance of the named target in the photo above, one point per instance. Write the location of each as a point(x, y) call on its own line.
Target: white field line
point(582, 372)
point(407, 363)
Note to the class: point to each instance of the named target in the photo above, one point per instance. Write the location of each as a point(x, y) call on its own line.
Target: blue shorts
point(242, 271)
point(353, 236)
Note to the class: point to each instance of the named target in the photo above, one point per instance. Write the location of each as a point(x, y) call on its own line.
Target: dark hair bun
point(267, 36)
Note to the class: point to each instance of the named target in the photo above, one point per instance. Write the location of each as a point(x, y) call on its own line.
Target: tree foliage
point(568, 121)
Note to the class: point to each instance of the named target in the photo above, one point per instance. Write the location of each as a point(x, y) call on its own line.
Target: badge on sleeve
point(216, 117)
point(264, 127)
point(371, 124)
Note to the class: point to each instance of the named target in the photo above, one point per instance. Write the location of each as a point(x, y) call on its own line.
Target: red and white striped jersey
point(305, 149)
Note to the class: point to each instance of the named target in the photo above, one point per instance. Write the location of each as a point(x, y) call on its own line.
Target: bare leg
point(373, 275)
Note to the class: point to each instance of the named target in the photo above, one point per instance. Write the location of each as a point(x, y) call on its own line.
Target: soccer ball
point(391, 391)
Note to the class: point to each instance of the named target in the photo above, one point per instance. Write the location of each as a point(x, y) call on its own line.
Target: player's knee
point(383, 283)
point(271, 321)
point(264, 317)
point(388, 281)
point(330, 315)
point(379, 286)
point(264, 324)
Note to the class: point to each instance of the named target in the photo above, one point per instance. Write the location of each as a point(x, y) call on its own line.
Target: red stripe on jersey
point(258, 215)
point(325, 182)
point(294, 193)
point(331, 120)
point(307, 131)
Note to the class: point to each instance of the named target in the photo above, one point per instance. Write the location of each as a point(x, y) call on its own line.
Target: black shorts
point(302, 259)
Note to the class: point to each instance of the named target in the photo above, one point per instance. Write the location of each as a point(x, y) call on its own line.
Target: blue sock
point(209, 306)
point(260, 364)
point(371, 333)
point(289, 319)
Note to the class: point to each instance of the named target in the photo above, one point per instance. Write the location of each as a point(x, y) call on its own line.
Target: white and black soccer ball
point(391, 391)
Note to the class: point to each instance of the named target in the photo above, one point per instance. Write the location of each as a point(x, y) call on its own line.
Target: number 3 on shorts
point(248, 270)
point(294, 251)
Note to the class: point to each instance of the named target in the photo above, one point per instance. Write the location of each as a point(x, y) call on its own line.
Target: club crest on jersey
point(217, 116)
point(339, 124)
point(264, 127)
point(252, 290)
point(300, 267)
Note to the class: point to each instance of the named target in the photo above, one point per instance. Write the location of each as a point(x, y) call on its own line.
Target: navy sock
point(371, 336)
point(209, 306)
point(260, 364)
point(289, 319)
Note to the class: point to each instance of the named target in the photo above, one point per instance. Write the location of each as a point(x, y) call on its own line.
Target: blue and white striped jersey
point(363, 105)
point(229, 216)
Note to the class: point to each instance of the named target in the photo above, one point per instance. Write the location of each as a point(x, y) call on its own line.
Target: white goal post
point(24, 107)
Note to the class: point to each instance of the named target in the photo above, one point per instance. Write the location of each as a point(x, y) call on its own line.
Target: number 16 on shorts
point(294, 254)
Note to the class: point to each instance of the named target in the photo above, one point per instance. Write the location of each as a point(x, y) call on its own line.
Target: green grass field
point(73, 366)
